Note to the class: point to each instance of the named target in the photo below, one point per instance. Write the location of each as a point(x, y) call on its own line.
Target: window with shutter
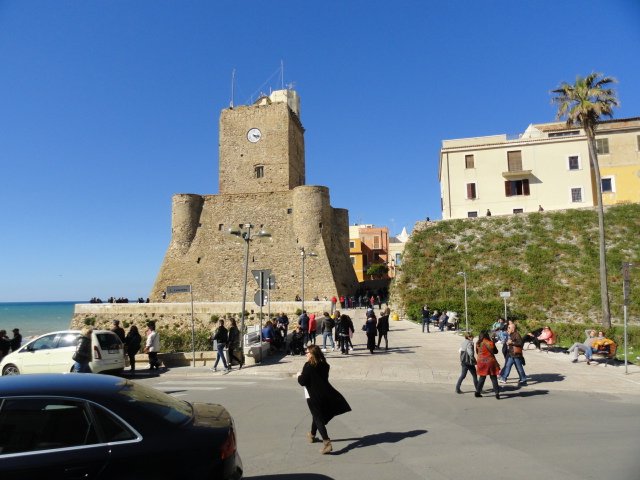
point(469, 161)
point(602, 146)
point(514, 161)
point(471, 191)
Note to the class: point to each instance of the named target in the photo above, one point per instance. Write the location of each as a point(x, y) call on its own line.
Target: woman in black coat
point(132, 343)
point(324, 401)
point(370, 328)
point(383, 328)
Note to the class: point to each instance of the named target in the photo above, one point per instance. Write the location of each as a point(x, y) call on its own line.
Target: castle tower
point(262, 145)
point(262, 182)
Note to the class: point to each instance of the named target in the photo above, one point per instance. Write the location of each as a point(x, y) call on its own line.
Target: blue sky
point(108, 108)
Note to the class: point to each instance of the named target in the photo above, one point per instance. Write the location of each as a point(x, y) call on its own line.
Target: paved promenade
point(432, 359)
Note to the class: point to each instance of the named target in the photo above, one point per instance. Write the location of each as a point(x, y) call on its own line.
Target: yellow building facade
point(545, 168)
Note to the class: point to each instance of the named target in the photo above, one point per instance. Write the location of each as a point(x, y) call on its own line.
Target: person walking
point(334, 300)
point(514, 344)
point(220, 338)
point(371, 330)
point(324, 401)
point(425, 318)
point(82, 355)
point(467, 362)
point(132, 342)
point(303, 321)
point(313, 328)
point(327, 332)
point(487, 363)
point(383, 328)
point(234, 349)
point(152, 346)
point(344, 331)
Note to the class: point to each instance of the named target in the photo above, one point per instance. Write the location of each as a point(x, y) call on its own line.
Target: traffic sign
point(265, 278)
point(261, 300)
point(179, 289)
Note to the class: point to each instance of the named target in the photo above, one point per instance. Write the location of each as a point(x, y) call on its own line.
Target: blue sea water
point(35, 318)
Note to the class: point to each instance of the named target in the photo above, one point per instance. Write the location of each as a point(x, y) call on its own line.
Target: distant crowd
point(117, 300)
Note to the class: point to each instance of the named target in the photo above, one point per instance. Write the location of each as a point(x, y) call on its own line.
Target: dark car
point(88, 426)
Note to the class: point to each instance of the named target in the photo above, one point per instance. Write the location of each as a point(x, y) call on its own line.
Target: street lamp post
point(304, 254)
point(245, 234)
point(466, 317)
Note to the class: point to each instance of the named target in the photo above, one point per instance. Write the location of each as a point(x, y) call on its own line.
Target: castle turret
point(262, 146)
point(185, 218)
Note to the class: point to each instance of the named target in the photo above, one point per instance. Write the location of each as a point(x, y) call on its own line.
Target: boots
point(310, 437)
point(327, 447)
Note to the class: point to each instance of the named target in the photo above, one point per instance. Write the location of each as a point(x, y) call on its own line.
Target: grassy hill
point(548, 261)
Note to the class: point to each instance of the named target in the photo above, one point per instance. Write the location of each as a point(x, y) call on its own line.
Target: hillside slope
point(548, 261)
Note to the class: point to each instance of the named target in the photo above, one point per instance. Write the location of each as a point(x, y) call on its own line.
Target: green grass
point(548, 261)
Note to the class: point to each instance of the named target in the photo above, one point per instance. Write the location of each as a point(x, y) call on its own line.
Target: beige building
point(262, 183)
point(546, 167)
point(396, 250)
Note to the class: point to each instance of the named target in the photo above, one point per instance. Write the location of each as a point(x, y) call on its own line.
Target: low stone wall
point(100, 315)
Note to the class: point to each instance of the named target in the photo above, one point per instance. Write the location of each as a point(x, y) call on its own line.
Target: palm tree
point(583, 104)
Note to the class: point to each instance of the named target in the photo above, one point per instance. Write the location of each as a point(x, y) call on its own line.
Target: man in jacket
point(82, 355)
point(220, 338)
point(514, 344)
point(327, 331)
point(303, 321)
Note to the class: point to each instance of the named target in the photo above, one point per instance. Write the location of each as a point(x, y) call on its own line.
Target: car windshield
point(158, 403)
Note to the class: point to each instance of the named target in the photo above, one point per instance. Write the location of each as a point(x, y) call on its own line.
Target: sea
point(35, 318)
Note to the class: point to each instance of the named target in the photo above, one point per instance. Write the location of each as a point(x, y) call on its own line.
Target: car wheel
point(10, 369)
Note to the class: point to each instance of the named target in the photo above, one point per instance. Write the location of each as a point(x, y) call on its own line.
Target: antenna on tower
point(282, 74)
point(233, 81)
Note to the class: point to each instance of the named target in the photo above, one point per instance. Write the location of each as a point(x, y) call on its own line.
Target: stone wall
point(167, 314)
point(212, 261)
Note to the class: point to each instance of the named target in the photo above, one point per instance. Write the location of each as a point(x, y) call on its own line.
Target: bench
point(609, 356)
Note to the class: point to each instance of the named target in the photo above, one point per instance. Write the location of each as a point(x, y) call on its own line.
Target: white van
point(53, 352)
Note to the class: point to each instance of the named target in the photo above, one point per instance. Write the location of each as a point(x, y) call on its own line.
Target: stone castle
point(261, 182)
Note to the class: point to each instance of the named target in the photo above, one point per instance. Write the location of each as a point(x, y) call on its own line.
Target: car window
point(43, 424)
point(112, 429)
point(158, 403)
point(108, 341)
point(43, 343)
point(68, 340)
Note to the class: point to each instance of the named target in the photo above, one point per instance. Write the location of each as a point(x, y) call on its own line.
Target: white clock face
point(254, 135)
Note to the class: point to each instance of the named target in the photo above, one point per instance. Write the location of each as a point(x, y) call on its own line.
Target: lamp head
point(235, 231)
point(263, 233)
point(461, 273)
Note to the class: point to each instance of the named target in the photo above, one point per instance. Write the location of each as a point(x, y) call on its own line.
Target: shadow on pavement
point(517, 392)
point(375, 439)
point(546, 378)
point(143, 373)
point(291, 476)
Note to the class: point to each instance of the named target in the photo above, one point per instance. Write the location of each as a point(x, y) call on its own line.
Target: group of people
point(132, 342)
point(592, 344)
point(117, 300)
point(9, 344)
point(443, 320)
point(337, 331)
point(229, 338)
point(486, 363)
